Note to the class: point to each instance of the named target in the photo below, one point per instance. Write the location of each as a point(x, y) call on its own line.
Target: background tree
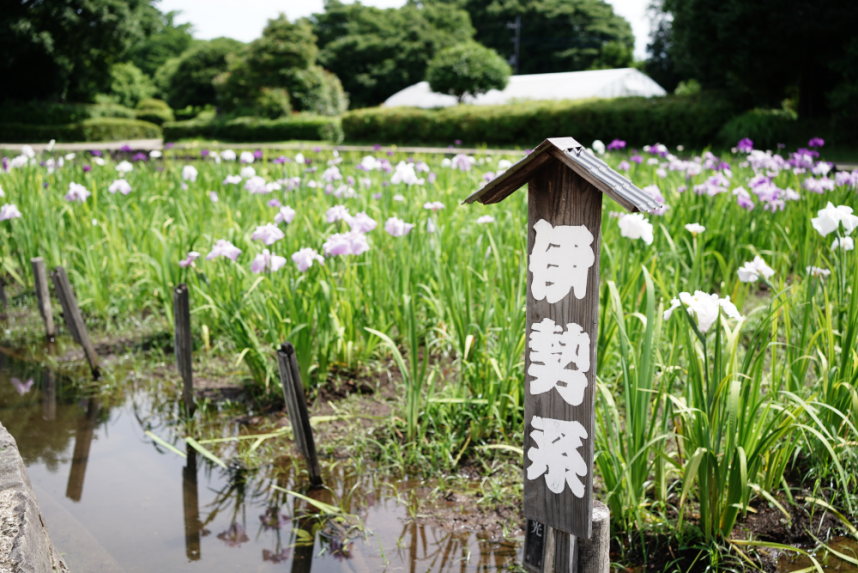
point(129, 85)
point(556, 35)
point(164, 40)
point(376, 52)
point(467, 69)
point(660, 65)
point(187, 80)
point(283, 58)
point(64, 49)
point(765, 50)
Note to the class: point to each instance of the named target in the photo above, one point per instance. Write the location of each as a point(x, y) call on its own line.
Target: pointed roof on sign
point(573, 155)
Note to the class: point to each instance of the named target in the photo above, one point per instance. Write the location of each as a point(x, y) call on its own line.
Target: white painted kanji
point(551, 352)
point(560, 261)
point(556, 454)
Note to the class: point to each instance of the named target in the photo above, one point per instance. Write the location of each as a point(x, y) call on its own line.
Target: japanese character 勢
point(552, 351)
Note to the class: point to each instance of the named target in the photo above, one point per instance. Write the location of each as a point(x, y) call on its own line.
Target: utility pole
point(515, 60)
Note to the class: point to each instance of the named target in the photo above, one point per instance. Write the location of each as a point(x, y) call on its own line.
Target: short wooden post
point(73, 318)
point(184, 344)
point(548, 550)
point(40, 276)
point(296, 404)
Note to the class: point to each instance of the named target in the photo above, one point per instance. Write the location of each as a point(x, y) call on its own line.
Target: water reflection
point(82, 443)
point(230, 519)
point(49, 395)
point(191, 505)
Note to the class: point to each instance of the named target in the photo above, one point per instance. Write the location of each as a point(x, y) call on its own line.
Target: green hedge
point(46, 113)
point(156, 116)
point(101, 129)
point(306, 127)
point(689, 120)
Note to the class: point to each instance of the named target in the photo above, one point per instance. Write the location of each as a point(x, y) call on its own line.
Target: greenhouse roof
point(622, 82)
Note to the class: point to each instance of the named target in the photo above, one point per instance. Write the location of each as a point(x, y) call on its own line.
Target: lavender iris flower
point(189, 260)
point(266, 261)
point(268, 234)
point(224, 248)
point(285, 215)
point(304, 258)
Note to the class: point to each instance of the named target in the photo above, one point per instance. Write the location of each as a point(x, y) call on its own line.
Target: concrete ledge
point(25, 546)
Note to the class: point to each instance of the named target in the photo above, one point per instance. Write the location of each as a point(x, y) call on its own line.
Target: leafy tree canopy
point(187, 80)
point(467, 69)
point(164, 40)
point(280, 65)
point(767, 49)
point(64, 49)
point(129, 85)
point(376, 52)
point(555, 35)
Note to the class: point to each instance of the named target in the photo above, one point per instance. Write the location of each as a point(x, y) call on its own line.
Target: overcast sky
point(245, 19)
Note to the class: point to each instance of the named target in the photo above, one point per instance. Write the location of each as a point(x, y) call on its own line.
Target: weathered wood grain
point(40, 277)
point(516, 180)
point(562, 197)
point(74, 318)
point(183, 344)
point(296, 405)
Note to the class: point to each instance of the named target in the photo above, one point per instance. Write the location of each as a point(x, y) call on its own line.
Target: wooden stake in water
point(40, 275)
point(184, 344)
point(296, 404)
point(73, 318)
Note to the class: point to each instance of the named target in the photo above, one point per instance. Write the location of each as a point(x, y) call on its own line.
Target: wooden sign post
point(565, 188)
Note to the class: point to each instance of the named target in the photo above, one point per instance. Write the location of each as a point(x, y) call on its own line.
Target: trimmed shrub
point(691, 121)
point(99, 129)
point(467, 69)
point(153, 103)
point(47, 113)
point(765, 127)
point(156, 116)
point(306, 127)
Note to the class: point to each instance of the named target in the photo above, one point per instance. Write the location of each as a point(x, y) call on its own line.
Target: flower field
point(727, 347)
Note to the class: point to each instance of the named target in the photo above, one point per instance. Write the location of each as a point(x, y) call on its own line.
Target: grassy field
point(750, 397)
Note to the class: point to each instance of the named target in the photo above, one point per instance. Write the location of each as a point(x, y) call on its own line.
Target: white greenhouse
point(623, 82)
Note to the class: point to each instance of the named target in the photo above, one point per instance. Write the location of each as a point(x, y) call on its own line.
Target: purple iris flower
point(95, 152)
point(280, 160)
point(637, 159)
point(257, 154)
point(616, 144)
point(816, 142)
point(169, 145)
point(139, 157)
point(390, 152)
point(376, 147)
point(745, 145)
point(204, 152)
point(458, 142)
point(87, 168)
point(317, 149)
point(126, 148)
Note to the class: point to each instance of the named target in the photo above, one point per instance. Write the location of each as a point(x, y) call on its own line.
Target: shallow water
point(116, 502)
point(789, 562)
